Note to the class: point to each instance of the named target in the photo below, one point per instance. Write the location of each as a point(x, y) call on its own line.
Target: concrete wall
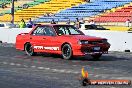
point(9, 35)
point(119, 41)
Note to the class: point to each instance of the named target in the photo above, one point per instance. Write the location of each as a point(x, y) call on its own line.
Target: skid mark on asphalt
point(55, 70)
point(49, 69)
point(42, 68)
point(102, 76)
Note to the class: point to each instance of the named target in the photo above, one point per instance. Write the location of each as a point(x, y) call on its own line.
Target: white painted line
point(46, 68)
point(105, 69)
point(130, 78)
point(40, 67)
point(54, 70)
point(96, 68)
point(96, 76)
point(5, 63)
point(33, 66)
point(76, 72)
point(25, 66)
point(68, 71)
point(62, 71)
point(55, 77)
point(74, 65)
point(18, 64)
point(65, 71)
point(12, 63)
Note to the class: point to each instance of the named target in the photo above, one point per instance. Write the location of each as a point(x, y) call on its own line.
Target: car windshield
point(67, 30)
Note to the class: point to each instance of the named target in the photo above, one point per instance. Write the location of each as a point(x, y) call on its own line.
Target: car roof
point(54, 25)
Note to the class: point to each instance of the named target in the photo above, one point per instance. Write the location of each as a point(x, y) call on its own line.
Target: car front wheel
point(66, 52)
point(29, 49)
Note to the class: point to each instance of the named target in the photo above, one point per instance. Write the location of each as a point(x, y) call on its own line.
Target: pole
point(12, 12)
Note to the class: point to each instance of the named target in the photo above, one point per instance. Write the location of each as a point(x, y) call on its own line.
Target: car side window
point(73, 31)
point(43, 30)
point(49, 31)
point(63, 31)
point(38, 31)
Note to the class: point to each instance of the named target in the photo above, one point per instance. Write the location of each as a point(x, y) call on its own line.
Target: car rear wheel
point(96, 56)
point(66, 52)
point(29, 49)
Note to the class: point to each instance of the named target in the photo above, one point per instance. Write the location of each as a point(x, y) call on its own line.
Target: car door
point(51, 44)
point(44, 39)
point(37, 39)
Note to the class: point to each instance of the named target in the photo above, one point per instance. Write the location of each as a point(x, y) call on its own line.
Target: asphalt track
point(17, 70)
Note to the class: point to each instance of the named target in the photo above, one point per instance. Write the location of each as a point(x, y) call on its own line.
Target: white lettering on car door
point(51, 48)
point(38, 47)
point(47, 48)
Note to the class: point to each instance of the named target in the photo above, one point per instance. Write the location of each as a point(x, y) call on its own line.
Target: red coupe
point(65, 40)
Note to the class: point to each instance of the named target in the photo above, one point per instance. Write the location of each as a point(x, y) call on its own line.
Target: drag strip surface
point(17, 70)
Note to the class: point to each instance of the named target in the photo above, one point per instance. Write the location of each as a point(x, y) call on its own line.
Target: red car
point(65, 40)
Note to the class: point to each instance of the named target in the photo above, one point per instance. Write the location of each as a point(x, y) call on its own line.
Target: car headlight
point(104, 41)
point(83, 42)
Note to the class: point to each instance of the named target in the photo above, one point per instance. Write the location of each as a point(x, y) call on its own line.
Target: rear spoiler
point(23, 34)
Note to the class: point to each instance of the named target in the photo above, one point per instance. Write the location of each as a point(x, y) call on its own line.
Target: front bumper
point(93, 53)
point(91, 49)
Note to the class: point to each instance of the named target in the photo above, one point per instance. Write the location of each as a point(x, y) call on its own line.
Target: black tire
point(96, 56)
point(84, 82)
point(66, 52)
point(29, 50)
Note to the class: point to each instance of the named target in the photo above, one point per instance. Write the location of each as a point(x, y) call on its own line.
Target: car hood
point(83, 37)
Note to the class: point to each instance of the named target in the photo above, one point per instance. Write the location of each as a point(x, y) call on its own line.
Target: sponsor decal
point(51, 48)
point(86, 81)
point(38, 47)
point(46, 48)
